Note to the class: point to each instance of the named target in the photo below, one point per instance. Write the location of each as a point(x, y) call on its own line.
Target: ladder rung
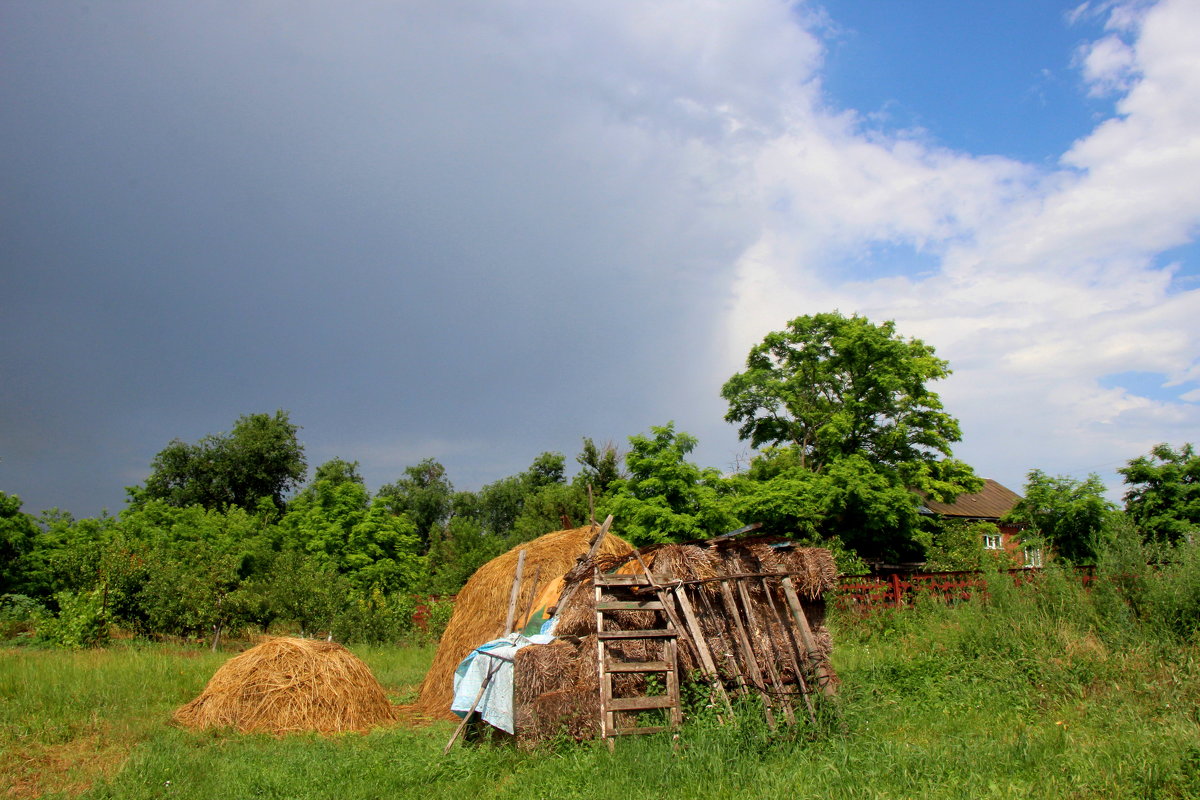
point(635, 731)
point(640, 703)
point(629, 605)
point(653, 634)
point(632, 580)
point(637, 666)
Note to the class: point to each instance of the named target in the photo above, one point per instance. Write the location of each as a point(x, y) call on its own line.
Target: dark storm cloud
point(423, 229)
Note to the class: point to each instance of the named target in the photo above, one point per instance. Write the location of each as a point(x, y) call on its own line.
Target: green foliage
point(259, 459)
point(424, 495)
point(196, 596)
point(81, 621)
point(850, 430)
point(375, 617)
point(336, 524)
point(462, 548)
point(438, 614)
point(835, 386)
point(667, 498)
point(18, 536)
point(1066, 513)
point(600, 466)
point(956, 545)
point(304, 591)
point(1164, 492)
point(19, 615)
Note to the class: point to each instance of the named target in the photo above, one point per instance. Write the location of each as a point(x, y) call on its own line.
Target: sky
point(480, 231)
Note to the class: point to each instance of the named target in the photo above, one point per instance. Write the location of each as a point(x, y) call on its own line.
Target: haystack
point(285, 685)
point(482, 605)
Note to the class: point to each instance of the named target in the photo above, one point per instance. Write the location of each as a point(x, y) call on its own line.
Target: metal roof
point(993, 502)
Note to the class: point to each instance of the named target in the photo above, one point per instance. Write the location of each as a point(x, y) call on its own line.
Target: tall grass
point(1042, 691)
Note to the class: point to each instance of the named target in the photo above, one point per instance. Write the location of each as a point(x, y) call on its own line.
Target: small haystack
point(481, 606)
point(285, 685)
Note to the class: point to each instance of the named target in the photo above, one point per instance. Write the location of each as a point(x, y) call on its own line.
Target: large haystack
point(482, 605)
point(285, 685)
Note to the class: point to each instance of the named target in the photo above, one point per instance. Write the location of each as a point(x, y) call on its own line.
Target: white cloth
point(495, 658)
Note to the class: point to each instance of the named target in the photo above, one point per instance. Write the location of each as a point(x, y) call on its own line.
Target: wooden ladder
point(622, 587)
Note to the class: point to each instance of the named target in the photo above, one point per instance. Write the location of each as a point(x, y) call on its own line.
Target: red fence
point(867, 592)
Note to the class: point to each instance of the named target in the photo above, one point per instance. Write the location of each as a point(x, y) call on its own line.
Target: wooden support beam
point(824, 678)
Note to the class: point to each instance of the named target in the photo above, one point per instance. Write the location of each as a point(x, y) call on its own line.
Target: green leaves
point(1164, 492)
point(1068, 513)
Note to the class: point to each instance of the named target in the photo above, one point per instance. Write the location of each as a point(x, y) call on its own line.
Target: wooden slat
point(637, 666)
point(707, 665)
point(743, 642)
point(655, 634)
point(632, 580)
point(636, 731)
point(824, 679)
point(793, 652)
point(641, 703)
point(629, 605)
point(789, 716)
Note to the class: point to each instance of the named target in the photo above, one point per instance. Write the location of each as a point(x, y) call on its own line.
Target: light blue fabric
point(495, 706)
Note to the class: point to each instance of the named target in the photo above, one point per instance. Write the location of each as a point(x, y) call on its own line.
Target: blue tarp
point(496, 658)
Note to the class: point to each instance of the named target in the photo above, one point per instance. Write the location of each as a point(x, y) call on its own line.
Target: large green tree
point(18, 537)
point(260, 459)
point(849, 427)
point(424, 494)
point(1069, 514)
point(1163, 497)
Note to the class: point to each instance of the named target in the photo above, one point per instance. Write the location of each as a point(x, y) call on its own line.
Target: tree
point(425, 495)
point(1163, 497)
point(667, 498)
point(849, 430)
point(599, 466)
point(18, 536)
point(259, 459)
point(1068, 514)
point(833, 386)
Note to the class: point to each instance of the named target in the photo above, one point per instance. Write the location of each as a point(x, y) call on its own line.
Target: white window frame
point(993, 541)
point(1033, 557)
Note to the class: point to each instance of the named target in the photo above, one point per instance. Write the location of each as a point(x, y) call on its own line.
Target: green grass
point(1044, 692)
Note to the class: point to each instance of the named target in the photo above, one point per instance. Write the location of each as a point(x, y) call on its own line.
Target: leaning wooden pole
point(824, 678)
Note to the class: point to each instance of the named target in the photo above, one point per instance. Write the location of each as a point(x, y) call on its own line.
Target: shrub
point(19, 615)
point(80, 622)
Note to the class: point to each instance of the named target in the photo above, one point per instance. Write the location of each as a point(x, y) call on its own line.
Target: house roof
point(993, 502)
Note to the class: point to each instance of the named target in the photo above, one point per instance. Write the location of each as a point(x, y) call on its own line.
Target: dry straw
point(480, 607)
point(285, 685)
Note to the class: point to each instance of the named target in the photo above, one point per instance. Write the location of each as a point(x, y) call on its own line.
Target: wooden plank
point(788, 715)
point(743, 642)
point(606, 716)
point(672, 648)
point(707, 665)
point(629, 605)
point(641, 703)
point(512, 595)
point(632, 580)
point(638, 666)
point(793, 651)
point(824, 679)
point(654, 634)
point(636, 731)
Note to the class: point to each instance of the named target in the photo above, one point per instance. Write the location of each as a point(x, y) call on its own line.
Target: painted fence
point(868, 592)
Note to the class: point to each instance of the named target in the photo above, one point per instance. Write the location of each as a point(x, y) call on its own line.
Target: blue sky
point(476, 234)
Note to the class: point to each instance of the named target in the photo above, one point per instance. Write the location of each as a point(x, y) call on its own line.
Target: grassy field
point(1043, 692)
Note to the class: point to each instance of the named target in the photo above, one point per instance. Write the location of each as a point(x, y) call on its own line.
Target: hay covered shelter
point(480, 606)
point(748, 615)
point(286, 685)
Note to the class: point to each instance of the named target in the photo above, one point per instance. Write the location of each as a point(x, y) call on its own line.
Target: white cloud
point(1046, 280)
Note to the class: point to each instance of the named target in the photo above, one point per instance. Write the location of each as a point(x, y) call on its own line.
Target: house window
point(991, 541)
point(1033, 556)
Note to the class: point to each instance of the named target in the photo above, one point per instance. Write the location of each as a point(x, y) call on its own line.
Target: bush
point(19, 615)
point(437, 618)
point(80, 622)
point(376, 618)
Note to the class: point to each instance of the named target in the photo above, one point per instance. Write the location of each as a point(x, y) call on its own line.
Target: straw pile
point(482, 605)
point(285, 685)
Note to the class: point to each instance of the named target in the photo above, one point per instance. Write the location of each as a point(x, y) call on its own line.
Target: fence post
point(896, 598)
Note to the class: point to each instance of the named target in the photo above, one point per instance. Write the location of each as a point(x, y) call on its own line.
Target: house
point(989, 505)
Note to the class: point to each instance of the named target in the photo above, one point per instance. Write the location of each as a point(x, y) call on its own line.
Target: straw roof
point(482, 605)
